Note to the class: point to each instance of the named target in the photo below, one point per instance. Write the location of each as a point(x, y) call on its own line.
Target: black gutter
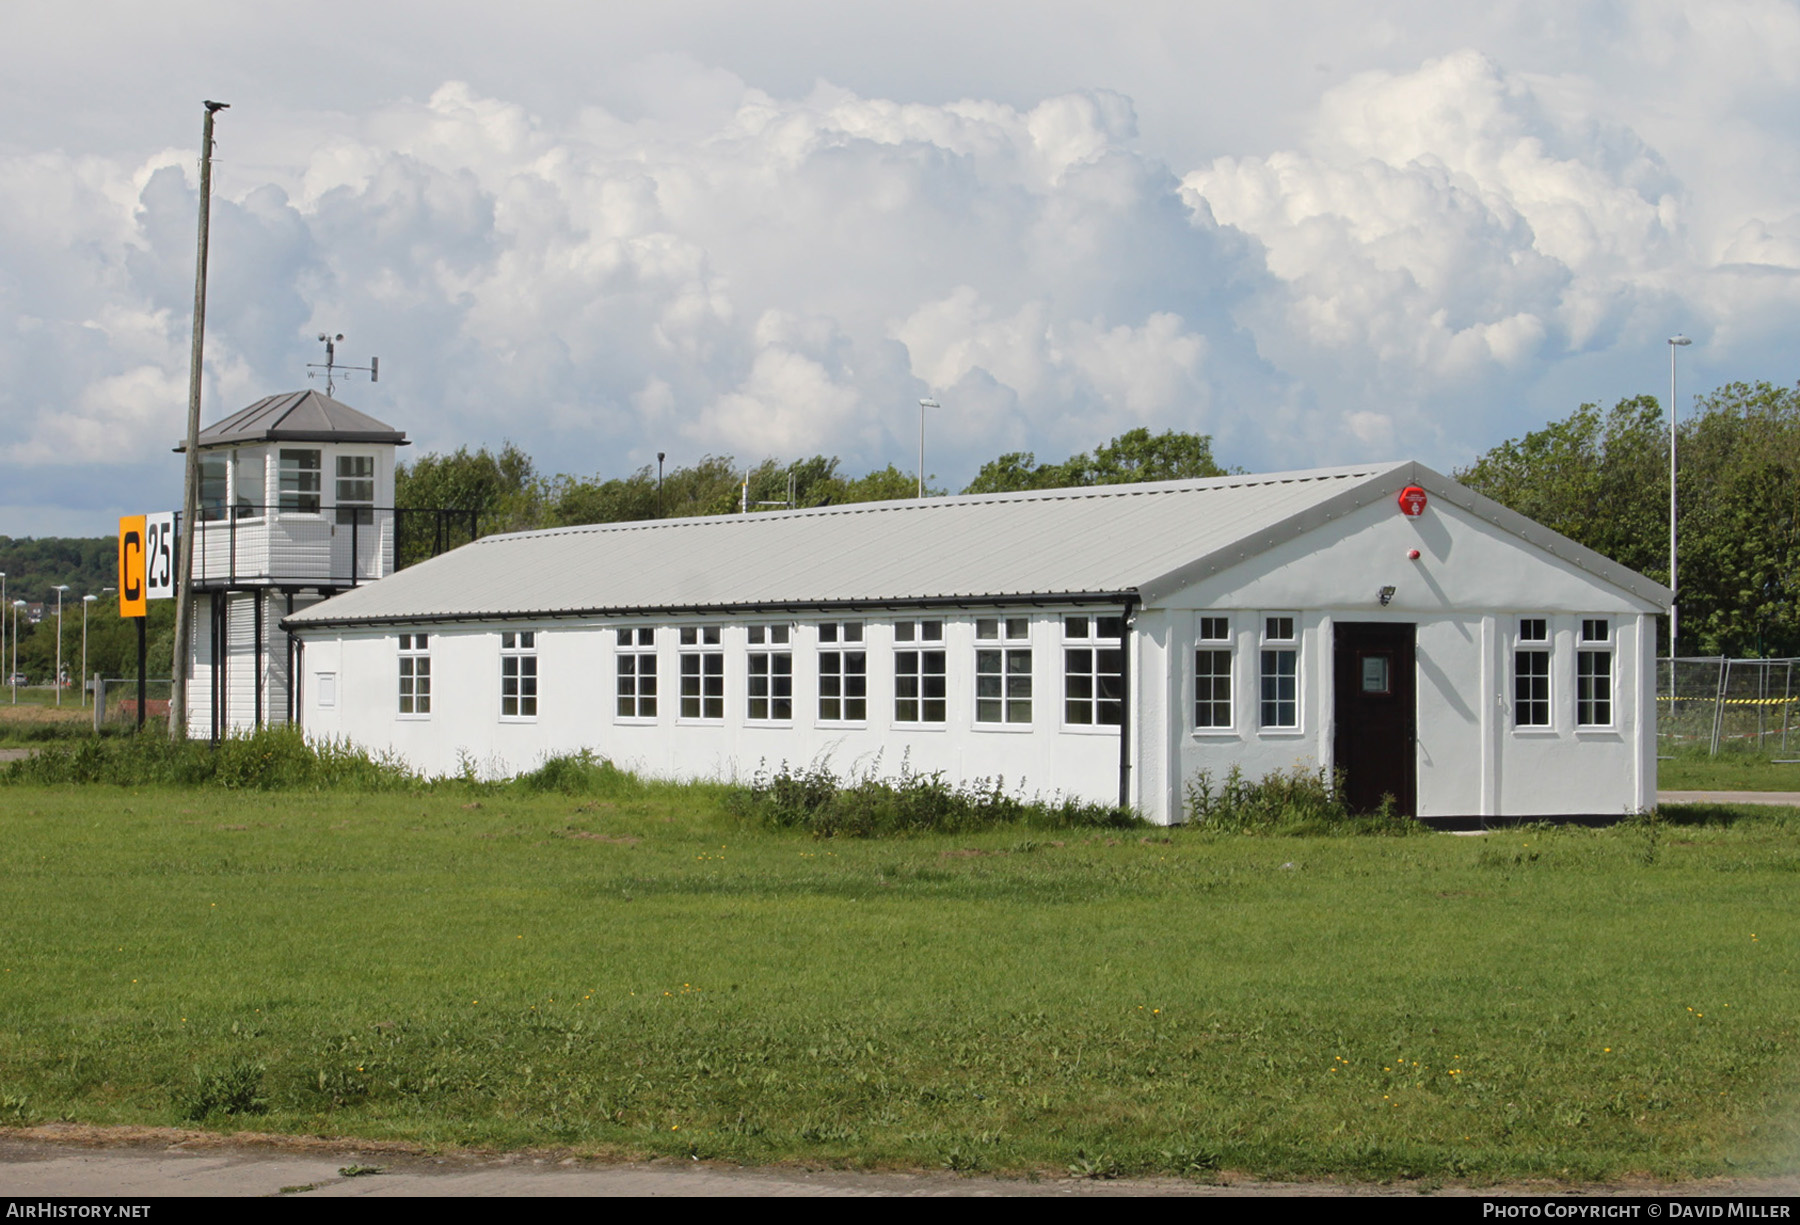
point(1125, 639)
point(1041, 599)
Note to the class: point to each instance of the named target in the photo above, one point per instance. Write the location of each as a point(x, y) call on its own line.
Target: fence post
point(99, 702)
point(1787, 696)
point(1719, 703)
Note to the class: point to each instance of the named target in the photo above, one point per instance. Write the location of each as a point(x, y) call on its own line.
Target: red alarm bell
point(1412, 501)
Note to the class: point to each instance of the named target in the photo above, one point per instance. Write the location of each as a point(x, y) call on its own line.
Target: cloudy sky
point(1319, 232)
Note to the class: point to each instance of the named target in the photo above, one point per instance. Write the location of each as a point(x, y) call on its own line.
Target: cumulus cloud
point(1448, 234)
point(1438, 252)
point(758, 275)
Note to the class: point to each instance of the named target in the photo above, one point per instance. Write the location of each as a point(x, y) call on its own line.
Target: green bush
point(815, 799)
point(1295, 801)
point(582, 773)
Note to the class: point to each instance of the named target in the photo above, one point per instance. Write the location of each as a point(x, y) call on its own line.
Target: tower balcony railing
point(328, 547)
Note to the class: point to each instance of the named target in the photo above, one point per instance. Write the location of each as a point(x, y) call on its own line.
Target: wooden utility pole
point(190, 497)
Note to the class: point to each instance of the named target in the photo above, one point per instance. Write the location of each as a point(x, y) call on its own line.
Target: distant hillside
point(33, 567)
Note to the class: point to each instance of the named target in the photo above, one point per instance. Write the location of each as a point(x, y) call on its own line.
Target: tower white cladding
point(1107, 643)
point(295, 504)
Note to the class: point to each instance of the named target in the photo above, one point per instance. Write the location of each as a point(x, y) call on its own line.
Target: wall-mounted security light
point(1387, 595)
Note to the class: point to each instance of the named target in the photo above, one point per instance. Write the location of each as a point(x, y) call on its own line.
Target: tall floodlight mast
point(1675, 342)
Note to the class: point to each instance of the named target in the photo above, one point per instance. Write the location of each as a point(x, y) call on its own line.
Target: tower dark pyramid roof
point(297, 416)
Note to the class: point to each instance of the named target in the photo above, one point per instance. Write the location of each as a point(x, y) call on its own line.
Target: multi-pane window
point(919, 686)
point(1212, 673)
point(1002, 671)
point(213, 477)
point(518, 676)
point(415, 674)
point(702, 673)
point(1093, 670)
point(249, 474)
point(1593, 674)
point(771, 684)
point(301, 481)
point(1531, 674)
point(635, 682)
point(1280, 705)
point(356, 489)
point(843, 673)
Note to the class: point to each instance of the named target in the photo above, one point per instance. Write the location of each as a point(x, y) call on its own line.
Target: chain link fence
point(1730, 705)
point(115, 700)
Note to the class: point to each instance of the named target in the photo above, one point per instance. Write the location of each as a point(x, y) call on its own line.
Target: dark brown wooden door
point(1376, 712)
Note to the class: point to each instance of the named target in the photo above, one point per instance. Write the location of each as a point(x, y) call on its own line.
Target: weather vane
point(331, 365)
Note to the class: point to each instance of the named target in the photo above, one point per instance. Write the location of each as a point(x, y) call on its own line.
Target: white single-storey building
point(1106, 643)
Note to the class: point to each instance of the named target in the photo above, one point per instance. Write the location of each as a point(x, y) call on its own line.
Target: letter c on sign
point(132, 601)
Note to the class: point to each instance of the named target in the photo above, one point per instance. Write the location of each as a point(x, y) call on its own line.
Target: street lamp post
point(1675, 342)
point(86, 602)
point(923, 405)
point(14, 678)
point(59, 589)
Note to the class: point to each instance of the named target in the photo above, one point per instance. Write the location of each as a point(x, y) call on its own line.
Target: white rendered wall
point(1465, 594)
point(576, 707)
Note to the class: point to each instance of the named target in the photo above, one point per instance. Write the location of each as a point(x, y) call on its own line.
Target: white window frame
point(360, 510)
point(771, 649)
point(1279, 639)
point(1533, 639)
point(255, 462)
point(706, 670)
point(1008, 685)
point(299, 494)
point(843, 649)
point(1213, 637)
point(1082, 636)
point(414, 668)
point(519, 672)
point(1594, 646)
point(922, 640)
point(215, 503)
point(636, 644)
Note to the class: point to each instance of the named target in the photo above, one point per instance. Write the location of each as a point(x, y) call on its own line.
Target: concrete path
point(1789, 799)
point(153, 1163)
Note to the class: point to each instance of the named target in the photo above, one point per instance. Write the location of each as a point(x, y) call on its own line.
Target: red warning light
point(1412, 501)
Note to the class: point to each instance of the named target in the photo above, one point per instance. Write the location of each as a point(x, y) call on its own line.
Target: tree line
point(1601, 476)
point(508, 494)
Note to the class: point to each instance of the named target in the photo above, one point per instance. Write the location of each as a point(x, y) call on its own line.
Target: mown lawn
point(644, 974)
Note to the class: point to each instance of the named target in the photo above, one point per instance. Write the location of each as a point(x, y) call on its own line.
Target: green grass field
point(643, 974)
point(1693, 770)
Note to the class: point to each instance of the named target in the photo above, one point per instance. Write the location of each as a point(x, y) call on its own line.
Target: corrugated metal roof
point(296, 416)
point(1100, 541)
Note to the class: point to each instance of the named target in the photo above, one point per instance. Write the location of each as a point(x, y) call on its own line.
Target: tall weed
point(268, 759)
point(583, 773)
point(869, 806)
point(1294, 801)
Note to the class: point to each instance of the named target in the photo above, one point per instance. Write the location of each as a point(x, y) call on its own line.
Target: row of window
point(1593, 673)
point(1278, 706)
point(1093, 673)
point(300, 485)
